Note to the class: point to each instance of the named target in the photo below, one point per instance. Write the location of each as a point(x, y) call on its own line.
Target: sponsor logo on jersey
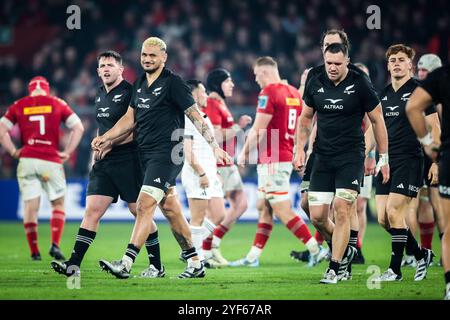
point(405, 96)
point(37, 110)
point(138, 90)
point(98, 99)
point(39, 141)
point(384, 98)
point(321, 90)
point(333, 105)
point(292, 101)
point(117, 98)
point(348, 90)
point(262, 102)
point(392, 108)
point(392, 113)
point(157, 91)
point(334, 101)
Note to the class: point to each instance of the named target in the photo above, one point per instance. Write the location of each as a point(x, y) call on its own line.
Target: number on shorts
point(41, 120)
point(292, 119)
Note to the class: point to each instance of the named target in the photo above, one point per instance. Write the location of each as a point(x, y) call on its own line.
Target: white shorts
point(273, 181)
point(35, 175)
point(366, 190)
point(231, 178)
point(191, 184)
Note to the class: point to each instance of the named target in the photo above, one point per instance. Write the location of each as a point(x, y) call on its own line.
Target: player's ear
point(98, 72)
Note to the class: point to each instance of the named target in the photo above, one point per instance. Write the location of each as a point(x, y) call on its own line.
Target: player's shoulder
point(58, 101)
point(213, 102)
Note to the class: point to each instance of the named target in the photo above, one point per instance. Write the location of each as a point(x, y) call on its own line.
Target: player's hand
point(432, 151)
point(104, 151)
point(204, 182)
point(241, 160)
point(16, 154)
point(63, 156)
point(222, 156)
point(369, 166)
point(244, 121)
point(433, 174)
point(299, 160)
point(383, 166)
point(98, 143)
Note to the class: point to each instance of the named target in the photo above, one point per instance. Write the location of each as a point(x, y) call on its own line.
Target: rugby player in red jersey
point(39, 116)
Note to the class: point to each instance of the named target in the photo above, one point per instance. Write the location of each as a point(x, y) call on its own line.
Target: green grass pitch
point(278, 277)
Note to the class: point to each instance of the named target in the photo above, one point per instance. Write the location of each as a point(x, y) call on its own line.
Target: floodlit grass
point(278, 277)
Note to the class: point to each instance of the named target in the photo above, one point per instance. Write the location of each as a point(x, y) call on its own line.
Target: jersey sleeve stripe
point(72, 120)
point(7, 123)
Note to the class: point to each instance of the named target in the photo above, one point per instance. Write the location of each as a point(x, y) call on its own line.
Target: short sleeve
point(265, 103)
point(431, 85)
point(369, 97)
point(308, 96)
point(181, 93)
point(10, 117)
point(66, 111)
point(188, 128)
point(132, 102)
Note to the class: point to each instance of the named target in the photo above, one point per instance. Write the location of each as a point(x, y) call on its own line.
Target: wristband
point(426, 140)
point(382, 161)
point(371, 154)
point(203, 174)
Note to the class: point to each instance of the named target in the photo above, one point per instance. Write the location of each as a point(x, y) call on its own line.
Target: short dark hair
point(193, 84)
point(342, 35)
point(110, 54)
point(336, 48)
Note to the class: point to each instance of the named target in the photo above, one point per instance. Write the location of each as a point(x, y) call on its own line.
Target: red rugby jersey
point(39, 120)
point(284, 103)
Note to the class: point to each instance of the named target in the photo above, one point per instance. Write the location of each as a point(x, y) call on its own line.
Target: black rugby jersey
point(111, 106)
point(437, 84)
point(403, 142)
point(340, 112)
point(159, 112)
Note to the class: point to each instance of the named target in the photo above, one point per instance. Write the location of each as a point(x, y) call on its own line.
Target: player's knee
point(144, 206)
point(93, 213)
point(304, 204)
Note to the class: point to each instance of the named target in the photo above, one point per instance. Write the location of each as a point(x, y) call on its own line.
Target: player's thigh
point(273, 178)
point(101, 181)
point(159, 176)
point(349, 176)
point(53, 179)
point(96, 206)
point(231, 178)
point(381, 204)
point(28, 179)
point(444, 176)
point(127, 177)
point(31, 209)
point(406, 176)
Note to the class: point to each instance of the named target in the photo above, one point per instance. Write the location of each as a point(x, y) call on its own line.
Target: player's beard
point(151, 70)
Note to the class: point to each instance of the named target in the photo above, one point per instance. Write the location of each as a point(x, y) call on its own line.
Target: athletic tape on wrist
point(426, 140)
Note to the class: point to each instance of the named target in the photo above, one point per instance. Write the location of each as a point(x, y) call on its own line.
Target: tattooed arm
point(199, 123)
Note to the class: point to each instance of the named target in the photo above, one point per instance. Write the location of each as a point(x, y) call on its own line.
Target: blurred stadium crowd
point(201, 35)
